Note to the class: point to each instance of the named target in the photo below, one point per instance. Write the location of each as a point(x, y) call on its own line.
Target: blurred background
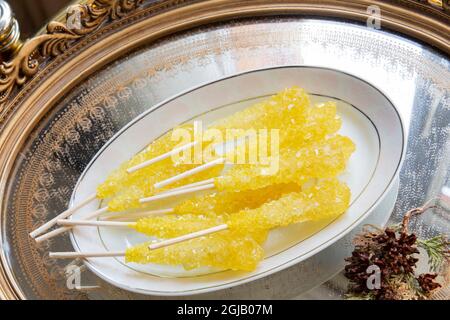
point(33, 14)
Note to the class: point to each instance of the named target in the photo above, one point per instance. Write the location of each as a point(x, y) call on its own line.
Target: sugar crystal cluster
point(248, 200)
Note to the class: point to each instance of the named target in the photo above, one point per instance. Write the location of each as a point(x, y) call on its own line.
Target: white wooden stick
point(161, 157)
point(95, 223)
point(191, 185)
point(62, 215)
point(74, 255)
point(169, 193)
point(177, 193)
point(189, 173)
point(186, 237)
point(96, 213)
point(154, 246)
point(189, 188)
point(137, 215)
point(58, 231)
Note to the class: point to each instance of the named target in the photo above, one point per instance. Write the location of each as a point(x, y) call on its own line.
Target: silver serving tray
point(415, 77)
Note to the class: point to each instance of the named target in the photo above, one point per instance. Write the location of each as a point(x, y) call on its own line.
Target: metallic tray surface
point(415, 77)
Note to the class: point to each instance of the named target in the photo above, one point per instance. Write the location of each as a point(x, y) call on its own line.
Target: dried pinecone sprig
point(426, 282)
point(392, 250)
point(395, 254)
point(392, 253)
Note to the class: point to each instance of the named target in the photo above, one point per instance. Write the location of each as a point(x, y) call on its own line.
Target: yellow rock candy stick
point(287, 106)
point(323, 159)
point(275, 112)
point(325, 200)
point(223, 250)
point(129, 198)
point(291, 105)
point(171, 226)
point(120, 178)
point(262, 114)
point(314, 124)
point(320, 121)
point(236, 248)
point(228, 202)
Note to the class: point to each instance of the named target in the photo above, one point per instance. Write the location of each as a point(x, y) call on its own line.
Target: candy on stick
point(323, 159)
point(223, 250)
point(275, 112)
point(168, 226)
point(232, 246)
point(133, 171)
point(326, 200)
point(217, 203)
point(230, 202)
point(129, 198)
point(120, 178)
point(292, 106)
point(272, 113)
point(319, 122)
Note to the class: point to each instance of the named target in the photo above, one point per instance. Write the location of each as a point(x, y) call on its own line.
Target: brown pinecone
point(391, 253)
point(394, 256)
point(426, 282)
point(356, 270)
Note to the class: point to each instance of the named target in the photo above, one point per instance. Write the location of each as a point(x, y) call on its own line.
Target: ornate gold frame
point(50, 64)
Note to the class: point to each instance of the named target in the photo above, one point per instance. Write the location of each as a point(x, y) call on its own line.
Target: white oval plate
point(369, 119)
